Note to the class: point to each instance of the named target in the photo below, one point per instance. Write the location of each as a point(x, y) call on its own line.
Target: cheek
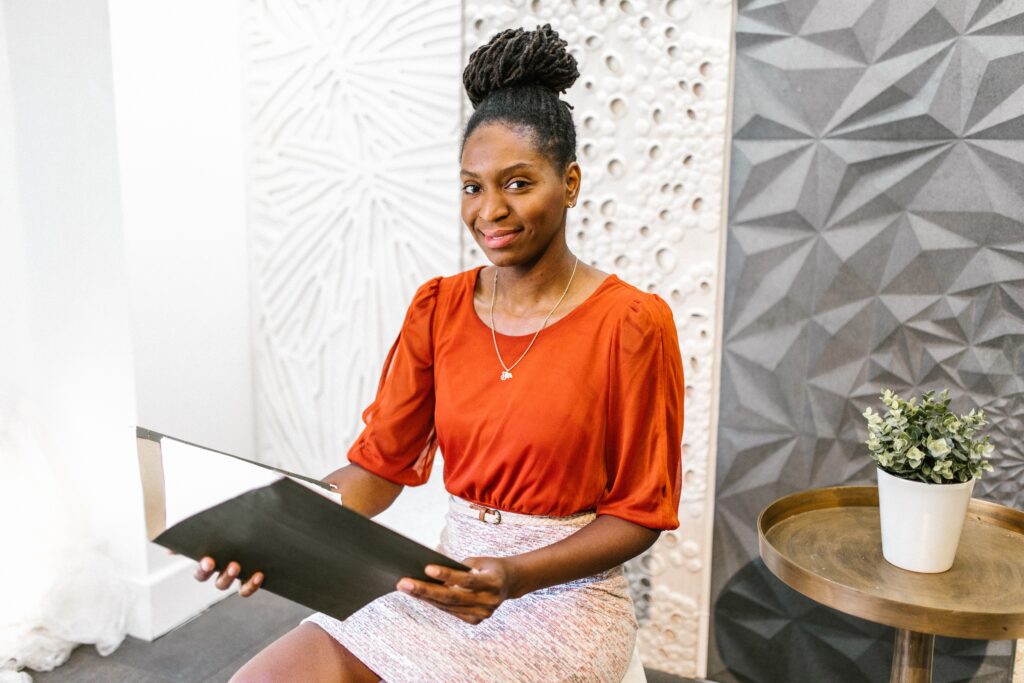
point(467, 212)
point(549, 212)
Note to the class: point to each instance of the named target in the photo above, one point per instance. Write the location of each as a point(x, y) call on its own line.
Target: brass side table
point(826, 544)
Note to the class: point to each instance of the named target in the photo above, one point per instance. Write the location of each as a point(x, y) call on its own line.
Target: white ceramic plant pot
point(921, 523)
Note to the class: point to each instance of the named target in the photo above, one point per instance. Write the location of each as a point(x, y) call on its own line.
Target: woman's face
point(513, 197)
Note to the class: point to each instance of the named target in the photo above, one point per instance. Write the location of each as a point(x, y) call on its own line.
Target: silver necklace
point(507, 369)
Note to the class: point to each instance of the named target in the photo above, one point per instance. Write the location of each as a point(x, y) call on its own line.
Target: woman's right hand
point(225, 578)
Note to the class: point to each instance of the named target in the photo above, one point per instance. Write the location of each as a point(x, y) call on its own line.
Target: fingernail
point(232, 570)
point(207, 564)
point(433, 571)
point(257, 580)
point(405, 586)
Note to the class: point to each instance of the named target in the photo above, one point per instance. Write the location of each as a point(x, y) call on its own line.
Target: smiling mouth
point(496, 239)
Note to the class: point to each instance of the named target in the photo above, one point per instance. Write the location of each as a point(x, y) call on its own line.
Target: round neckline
point(472, 289)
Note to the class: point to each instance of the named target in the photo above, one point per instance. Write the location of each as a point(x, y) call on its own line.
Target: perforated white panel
point(650, 107)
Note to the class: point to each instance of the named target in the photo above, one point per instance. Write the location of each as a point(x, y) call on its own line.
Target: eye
point(470, 189)
point(518, 184)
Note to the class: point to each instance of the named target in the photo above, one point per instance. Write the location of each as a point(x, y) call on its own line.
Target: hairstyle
point(516, 79)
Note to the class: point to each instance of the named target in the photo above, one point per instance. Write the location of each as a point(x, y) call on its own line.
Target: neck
point(524, 286)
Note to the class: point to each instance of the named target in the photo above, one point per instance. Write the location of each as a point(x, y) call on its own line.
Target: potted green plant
point(928, 460)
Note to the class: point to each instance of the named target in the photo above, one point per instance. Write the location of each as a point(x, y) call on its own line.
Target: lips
point(496, 239)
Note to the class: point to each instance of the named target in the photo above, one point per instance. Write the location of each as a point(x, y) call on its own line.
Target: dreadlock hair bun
point(519, 57)
point(516, 79)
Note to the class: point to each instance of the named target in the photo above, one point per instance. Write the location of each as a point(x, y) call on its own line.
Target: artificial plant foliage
point(924, 441)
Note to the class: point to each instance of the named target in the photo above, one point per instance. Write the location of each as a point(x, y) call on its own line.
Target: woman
point(555, 393)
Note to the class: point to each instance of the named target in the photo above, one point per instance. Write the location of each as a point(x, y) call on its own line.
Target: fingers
point(205, 569)
point(470, 596)
point(470, 613)
point(472, 580)
point(228, 576)
point(449, 596)
point(252, 585)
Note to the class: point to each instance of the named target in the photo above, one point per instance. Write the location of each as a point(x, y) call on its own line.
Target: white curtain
point(57, 587)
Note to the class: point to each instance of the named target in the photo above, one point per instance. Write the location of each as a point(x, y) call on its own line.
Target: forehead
point(493, 147)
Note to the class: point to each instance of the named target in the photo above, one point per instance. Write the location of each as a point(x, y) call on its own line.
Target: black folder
point(312, 550)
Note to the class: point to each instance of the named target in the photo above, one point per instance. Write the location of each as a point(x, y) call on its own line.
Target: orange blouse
point(591, 420)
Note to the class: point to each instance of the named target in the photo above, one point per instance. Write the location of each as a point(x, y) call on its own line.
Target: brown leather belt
point(485, 511)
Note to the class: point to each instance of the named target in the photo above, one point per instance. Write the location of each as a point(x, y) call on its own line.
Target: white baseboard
point(168, 598)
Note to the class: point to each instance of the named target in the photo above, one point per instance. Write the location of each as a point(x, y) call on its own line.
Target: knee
point(261, 669)
point(246, 675)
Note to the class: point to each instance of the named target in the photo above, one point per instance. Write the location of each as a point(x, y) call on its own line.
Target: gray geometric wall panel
point(759, 619)
point(875, 239)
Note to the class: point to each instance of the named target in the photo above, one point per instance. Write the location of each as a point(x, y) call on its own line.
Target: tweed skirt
point(581, 631)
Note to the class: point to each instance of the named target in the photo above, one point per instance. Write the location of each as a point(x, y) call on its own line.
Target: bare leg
point(306, 653)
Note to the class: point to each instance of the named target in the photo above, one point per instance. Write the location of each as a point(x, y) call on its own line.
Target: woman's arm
point(604, 543)
point(473, 596)
point(364, 491)
point(360, 489)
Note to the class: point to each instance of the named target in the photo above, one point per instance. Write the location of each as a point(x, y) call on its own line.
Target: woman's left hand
point(471, 596)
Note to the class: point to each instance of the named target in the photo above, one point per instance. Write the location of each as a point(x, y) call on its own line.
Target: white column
point(177, 73)
point(177, 83)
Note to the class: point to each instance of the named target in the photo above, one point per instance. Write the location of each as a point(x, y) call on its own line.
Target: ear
point(573, 178)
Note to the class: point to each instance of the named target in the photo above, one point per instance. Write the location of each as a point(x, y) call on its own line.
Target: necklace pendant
point(506, 375)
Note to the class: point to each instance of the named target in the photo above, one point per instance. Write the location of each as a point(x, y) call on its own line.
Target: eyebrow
point(513, 167)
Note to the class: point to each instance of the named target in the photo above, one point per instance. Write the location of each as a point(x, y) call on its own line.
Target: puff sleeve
point(398, 442)
point(645, 418)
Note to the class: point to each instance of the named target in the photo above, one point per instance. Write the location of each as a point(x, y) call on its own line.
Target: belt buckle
point(484, 511)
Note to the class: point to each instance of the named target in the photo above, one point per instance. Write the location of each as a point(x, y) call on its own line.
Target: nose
point(493, 207)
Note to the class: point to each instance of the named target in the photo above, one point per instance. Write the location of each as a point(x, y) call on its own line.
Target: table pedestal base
point(912, 657)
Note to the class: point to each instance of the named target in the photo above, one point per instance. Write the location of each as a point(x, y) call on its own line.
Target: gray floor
point(208, 649)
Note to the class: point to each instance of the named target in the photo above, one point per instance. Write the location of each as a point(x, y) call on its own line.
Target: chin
point(505, 259)
point(499, 257)
point(524, 253)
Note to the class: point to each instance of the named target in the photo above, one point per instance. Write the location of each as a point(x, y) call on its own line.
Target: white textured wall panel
point(353, 115)
point(650, 108)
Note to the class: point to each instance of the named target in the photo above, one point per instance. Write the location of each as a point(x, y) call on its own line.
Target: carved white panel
point(353, 115)
point(651, 111)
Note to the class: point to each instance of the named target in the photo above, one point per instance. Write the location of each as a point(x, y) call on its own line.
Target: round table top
point(826, 544)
